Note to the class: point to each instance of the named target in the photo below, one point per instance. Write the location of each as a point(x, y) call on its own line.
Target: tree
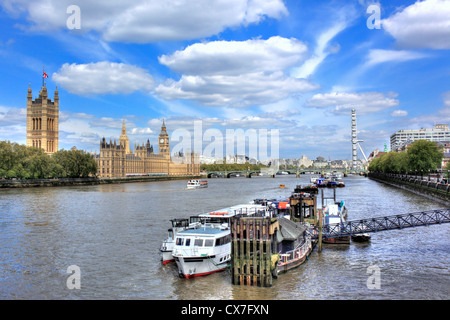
point(424, 156)
point(74, 163)
point(374, 165)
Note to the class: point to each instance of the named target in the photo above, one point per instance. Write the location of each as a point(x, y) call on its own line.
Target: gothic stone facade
point(43, 121)
point(117, 160)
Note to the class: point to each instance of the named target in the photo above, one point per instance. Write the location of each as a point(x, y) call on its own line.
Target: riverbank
point(433, 190)
point(63, 182)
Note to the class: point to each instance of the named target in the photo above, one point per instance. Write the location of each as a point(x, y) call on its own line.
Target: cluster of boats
point(329, 180)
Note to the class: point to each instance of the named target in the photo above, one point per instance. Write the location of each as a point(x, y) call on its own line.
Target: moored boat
point(340, 183)
point(311, 188)
point(334, 215)
point(206, 248)
point(321, 182)
point(331, 184)
point(363, 237)
point(168, 244)
point(295, 245)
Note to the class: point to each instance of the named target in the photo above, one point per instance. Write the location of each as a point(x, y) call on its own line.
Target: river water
point(113, 234)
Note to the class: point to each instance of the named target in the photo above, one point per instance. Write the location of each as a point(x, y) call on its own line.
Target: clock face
point(162, 140)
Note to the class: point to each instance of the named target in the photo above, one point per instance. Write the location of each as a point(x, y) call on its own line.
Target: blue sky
point(295, 66)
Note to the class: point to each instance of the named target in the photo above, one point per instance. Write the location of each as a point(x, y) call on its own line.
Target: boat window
point(198, 242)
point(223, 240)
point(188, 242)
point(179, 241)
point(209, 242)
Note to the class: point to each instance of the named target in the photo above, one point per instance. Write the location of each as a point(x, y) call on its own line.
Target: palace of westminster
point(115, 159)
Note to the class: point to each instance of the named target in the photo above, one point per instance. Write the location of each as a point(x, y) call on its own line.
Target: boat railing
point(255, 213)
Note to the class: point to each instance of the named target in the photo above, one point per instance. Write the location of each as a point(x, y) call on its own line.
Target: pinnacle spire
point(124, 129)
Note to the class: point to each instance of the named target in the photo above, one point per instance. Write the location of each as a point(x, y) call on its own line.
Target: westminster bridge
point(250, 173)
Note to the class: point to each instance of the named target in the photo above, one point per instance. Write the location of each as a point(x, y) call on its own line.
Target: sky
point(296, 68)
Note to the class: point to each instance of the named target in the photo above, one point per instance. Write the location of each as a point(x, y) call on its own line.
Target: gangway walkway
point(399, 221)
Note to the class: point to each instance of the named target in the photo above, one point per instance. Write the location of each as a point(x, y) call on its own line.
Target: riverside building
point(43, 120)
point(116, 160)
point(401, 138)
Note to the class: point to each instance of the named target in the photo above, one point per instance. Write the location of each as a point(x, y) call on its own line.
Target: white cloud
point(399, 113)
point(141, 131)
point(377, 56)
point(321, 51)
point(235, 73)
point(143, 21)
point(13, 124)
point(102, 78)
point(12, 116)
point(424, 24)
point(236, 57)
point(343, 102)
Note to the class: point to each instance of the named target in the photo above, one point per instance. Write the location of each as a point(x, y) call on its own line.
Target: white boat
point(207, 248)
point(202, 251)
point(196, 184)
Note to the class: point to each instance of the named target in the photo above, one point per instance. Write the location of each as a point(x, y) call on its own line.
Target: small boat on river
point(197, 184)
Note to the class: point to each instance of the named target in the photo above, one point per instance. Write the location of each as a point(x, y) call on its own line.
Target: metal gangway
point(376, 224)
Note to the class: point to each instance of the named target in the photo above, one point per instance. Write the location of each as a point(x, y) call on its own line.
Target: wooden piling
point(251, 255)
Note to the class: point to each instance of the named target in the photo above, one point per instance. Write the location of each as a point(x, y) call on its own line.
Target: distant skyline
point(295, 66)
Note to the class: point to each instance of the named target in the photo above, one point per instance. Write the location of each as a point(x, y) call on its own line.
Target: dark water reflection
point(113, 234)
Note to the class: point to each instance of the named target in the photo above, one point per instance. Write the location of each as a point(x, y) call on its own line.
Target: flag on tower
point(45, 75)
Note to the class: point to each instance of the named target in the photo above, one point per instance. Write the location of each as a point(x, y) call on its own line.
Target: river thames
point(113, 234)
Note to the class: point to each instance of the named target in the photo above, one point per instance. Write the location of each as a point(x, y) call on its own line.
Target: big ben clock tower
point(164, 148)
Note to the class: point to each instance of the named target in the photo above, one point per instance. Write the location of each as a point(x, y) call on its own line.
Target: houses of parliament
point(115, 159)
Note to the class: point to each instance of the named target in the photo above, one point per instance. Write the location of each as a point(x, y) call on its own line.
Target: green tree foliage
point(424, 156)
point(421, 157)
point(19, 161)
point(75, 163)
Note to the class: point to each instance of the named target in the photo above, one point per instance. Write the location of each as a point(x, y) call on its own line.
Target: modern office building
point(439, 132)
